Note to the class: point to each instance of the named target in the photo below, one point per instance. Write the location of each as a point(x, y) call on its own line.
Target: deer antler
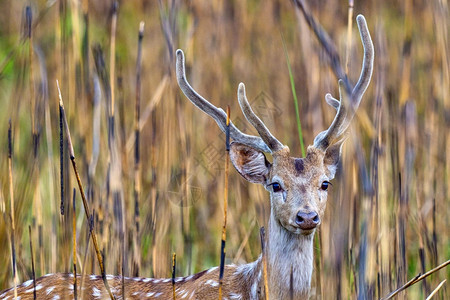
point(348, 103)
point(263, 143)
point(253, 119)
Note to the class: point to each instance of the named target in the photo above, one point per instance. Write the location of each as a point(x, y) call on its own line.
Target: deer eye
point(276, 187)
point(325, 185)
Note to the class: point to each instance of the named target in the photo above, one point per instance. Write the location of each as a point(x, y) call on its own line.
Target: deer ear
point(331, 159)
point(249, 162)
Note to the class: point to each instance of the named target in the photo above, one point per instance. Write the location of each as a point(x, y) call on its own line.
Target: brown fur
point(203, 285)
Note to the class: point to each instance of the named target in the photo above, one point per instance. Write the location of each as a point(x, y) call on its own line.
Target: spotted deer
point(298, 196)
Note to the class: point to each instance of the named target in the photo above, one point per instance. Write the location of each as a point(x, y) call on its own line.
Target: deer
point(298, 190)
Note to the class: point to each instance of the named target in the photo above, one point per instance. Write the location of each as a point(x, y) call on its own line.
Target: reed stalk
point(416, 279)
point(225, 204)
point(32, 262)
point(349, 35)
point(174, 265)
point(13, 222)
point(112, 57)
point(83, 196)
point(74, 244)
point(137, 155)
point(436, 289)
point(262, 234)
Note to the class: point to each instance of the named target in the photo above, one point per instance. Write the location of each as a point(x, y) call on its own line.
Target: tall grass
point(387, 215)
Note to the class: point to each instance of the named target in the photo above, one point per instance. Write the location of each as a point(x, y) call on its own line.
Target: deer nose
point(307, 221)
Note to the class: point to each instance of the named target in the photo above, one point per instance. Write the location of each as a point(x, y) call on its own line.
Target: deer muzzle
point(307, 220)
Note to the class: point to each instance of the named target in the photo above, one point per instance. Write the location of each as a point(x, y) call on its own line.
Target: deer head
point(297, 186)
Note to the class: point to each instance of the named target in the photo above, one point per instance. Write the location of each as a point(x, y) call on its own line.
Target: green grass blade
point(294, 94)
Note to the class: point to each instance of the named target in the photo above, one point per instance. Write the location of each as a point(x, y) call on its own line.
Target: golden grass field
point(387, 217)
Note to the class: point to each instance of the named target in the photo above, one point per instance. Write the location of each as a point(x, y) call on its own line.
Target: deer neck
point(286, 253)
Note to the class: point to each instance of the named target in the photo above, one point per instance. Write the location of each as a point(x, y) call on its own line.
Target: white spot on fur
point(49, 290)
point(166, 280)
point(38, 287)
point(254, 289)
point(47, 275)
point(147, 280)
point(56, 297)
point(93, 277)
point(183, 293)
point(156, 281)
point(189, 277)
point(212, 283)
point(27, 283)
point(150, 294)
point(157, 295)
point(211, 270)
point(109, 277)
point(96, 292)
point(234, 296)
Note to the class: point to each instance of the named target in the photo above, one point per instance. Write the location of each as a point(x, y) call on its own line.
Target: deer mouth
point(295, 229)
point(308, 232)
point(305, 232)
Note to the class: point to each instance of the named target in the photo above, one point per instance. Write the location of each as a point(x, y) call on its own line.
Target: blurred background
point(387, 215)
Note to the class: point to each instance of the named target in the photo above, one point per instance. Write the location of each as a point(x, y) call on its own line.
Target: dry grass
point(387, 216)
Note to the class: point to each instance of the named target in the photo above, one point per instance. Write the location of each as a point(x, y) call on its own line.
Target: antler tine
point(256, 122)
point(339, 124)
point(348, 104)
point(332, 101)
point(217, 114)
